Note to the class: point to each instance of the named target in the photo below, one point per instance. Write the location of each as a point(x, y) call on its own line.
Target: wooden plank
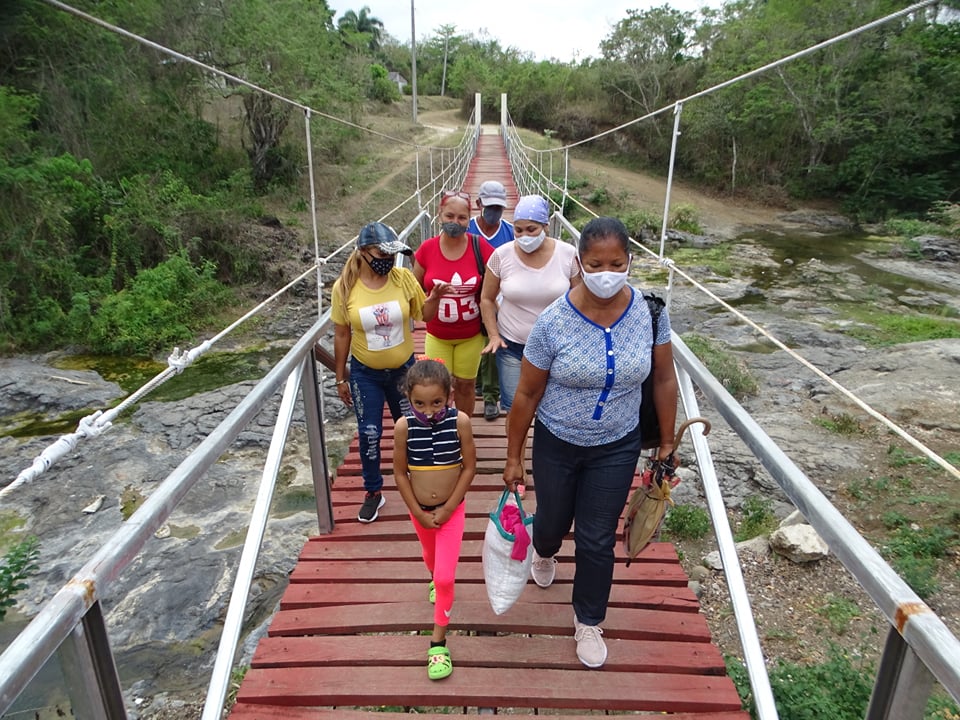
point(471, 651)
point(523, 617)
point(484, 467)
point(304, 595)
point(373, 571)
point(351, 623)
point(406, 549)
point(485, 687)
point(251, 711)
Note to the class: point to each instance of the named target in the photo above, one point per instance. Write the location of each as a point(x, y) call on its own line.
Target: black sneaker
point(491, 411)
point(372, 502)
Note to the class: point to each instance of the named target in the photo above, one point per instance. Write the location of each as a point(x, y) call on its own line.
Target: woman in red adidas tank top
point(455, 261)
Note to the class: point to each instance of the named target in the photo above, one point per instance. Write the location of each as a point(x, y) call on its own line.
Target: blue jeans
point(585, 487)
point(508, 368)
point(370, 389)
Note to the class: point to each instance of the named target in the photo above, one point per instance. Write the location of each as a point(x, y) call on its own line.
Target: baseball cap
point(492, 193)
point(532, 207)
point(384, 237)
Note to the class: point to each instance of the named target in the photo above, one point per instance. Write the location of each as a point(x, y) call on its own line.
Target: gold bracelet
point(341, 382)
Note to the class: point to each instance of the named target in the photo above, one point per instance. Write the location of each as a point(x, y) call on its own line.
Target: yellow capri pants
point(462, 357)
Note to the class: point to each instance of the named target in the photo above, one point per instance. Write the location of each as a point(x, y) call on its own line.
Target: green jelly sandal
point(439, 664)
point(432, 593)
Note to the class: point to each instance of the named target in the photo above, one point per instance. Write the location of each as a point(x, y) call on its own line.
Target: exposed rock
point(938, 248)
point(31, 385)
point(818, 219)
point(699, 573)
point(794, 518)
point(678, 238)
point(799, 543)
point(753, 547)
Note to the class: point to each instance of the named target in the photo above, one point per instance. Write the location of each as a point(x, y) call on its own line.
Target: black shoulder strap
point(481, 265)
point(656, 305)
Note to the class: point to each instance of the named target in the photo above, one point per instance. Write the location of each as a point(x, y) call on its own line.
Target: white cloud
point(559, 29)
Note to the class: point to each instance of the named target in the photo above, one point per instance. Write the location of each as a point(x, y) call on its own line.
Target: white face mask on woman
point(605, 283)
point(529, 243)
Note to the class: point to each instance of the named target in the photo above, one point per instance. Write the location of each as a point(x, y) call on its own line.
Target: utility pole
point(443, 83)
point(413, 59)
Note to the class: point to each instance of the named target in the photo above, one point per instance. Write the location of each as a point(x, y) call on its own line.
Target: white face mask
point(529, 243)
point(605, 283)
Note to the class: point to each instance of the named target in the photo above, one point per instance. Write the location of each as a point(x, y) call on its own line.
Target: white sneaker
point(543, 570)
point(591, 649)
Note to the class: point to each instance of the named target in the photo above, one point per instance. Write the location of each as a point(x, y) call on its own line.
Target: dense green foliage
point(836, 688)
point(687, 522)
point(15, 566)
point(115, 158)
point(115, 184)
point(839, 688)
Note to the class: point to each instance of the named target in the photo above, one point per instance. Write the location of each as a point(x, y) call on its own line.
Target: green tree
point(871, 119)
point(361, 29)
point(290, 48)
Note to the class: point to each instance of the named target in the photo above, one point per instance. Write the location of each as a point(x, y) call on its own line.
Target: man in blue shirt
point(489, 224)
point(491, 201)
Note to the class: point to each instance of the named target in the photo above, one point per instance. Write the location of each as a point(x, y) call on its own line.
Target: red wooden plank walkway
point(348, 639)
point(490, 163)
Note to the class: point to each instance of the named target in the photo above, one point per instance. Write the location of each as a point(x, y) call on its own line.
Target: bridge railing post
point(317, 443)
point(89, 671)
point(903, 683)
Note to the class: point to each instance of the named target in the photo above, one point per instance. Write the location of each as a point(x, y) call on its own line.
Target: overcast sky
point(562, 29)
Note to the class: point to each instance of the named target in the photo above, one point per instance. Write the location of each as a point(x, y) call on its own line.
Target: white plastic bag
point(505, 577)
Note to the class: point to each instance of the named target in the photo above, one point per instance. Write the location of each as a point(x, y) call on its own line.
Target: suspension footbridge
point(345, 640)
point(348, 629)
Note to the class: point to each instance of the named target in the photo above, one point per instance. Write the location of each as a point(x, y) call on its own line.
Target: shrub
point(686, 218)
point(636, 221)
point(687, 522)
point(757, 519)
point(381, 87)
point(842, 424)
point(727, 369)
point(834, 689)
point(158, 308)
point(600, 196)
point(18, 563)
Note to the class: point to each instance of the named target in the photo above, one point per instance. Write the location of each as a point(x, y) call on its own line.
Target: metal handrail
point(746, 627)
point(910, 617)
point(66, 610)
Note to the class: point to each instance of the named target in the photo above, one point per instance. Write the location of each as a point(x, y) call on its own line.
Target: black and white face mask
point(381, 266)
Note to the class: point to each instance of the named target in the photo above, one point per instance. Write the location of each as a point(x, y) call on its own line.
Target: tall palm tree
point(362, 22)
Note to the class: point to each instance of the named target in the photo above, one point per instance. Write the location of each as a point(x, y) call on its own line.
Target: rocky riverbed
point(164, 612)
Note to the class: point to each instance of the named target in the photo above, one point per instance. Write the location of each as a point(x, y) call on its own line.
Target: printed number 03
point(453, 310)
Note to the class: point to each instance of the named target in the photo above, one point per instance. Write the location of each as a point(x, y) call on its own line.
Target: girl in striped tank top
point(434, 461)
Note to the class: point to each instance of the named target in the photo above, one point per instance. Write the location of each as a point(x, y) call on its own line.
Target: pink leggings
point(441, 552)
